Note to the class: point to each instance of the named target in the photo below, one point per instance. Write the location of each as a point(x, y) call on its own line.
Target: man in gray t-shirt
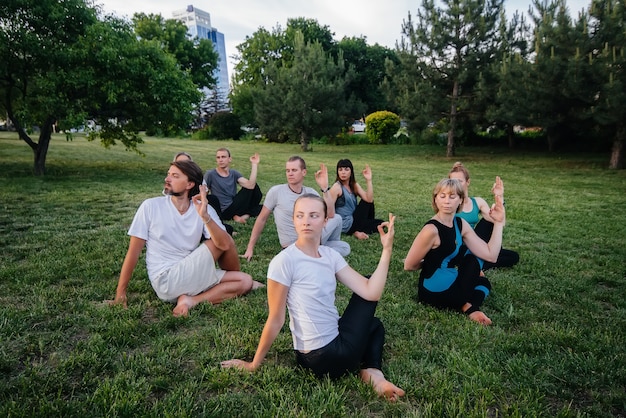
point(222, 181)
point(280, 200)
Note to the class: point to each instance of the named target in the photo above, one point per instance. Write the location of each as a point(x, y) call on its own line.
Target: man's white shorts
point(194, 274)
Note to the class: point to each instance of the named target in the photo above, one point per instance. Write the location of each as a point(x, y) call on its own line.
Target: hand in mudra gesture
point(497, 212)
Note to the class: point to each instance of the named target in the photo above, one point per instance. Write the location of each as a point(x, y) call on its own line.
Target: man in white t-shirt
point(280, 200)
point(181, 268)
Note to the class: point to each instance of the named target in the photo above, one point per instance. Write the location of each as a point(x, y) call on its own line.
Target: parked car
point(358, 126)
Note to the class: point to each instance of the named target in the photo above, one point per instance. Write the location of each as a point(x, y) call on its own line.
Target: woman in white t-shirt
point(302, 278)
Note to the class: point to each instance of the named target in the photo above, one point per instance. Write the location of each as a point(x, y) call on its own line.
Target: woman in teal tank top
point(476, 211)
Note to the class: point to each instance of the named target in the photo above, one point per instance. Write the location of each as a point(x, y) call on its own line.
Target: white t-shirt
point(281, 199)
point(313, 316)
point(169, 236)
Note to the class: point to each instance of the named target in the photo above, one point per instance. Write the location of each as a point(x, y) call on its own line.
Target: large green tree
point(276, 48)
point(443, 51)
point(61, 65)
point(368, 62)
point(197, 56)
point(265, 49)
point(306, 99)
point(608, 59)
point(554, 101)
point(504, 89)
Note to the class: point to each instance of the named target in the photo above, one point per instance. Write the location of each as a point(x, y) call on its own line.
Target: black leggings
point(469, 287)
point(245, 202)
point(359, 344)
point(506, 258)
point(363, 219)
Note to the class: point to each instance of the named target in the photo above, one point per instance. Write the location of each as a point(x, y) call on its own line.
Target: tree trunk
point(511, 136)
point(304, 142)
point(41, 150)
point(455, 93)
point(617, 152)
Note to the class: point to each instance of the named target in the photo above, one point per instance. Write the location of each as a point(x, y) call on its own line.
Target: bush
point(381, 126)
point(225, 125)
point(202, 134)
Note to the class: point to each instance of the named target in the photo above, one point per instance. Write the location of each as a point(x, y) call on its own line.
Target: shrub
point(225, 125)
point(202, 134)
point(381, 126)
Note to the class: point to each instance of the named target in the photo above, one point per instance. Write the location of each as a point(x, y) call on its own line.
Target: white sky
point(379, 21)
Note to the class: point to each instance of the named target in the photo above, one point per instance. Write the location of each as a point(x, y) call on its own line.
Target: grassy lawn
point(557, 346)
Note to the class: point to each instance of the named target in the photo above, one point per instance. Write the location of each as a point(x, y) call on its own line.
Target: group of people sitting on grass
point(191, 256)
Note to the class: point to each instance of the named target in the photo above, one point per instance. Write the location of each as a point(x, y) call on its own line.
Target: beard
point(169, 192)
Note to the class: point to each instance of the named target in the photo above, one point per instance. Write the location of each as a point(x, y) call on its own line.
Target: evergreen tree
point(608, 59)
point(555, 45)
point(305, 100)
point(446, 49)
point(503, 89)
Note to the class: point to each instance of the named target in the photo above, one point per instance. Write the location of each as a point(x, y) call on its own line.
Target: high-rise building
point(198, 23)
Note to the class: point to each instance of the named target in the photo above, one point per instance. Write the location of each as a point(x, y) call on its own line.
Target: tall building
point(198, 23)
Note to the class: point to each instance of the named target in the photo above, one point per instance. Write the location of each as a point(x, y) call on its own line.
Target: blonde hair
point(452, 185)
point(458, 167)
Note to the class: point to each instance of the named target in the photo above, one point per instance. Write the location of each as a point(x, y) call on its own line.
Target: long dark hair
point(346, 163)
point(193, 172)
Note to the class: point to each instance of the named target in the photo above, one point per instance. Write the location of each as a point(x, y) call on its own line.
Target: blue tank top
point(345, 207)
point(472, 217)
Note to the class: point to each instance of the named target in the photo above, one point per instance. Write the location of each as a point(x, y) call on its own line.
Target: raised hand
point(498, 187)
point(386, 238)
point(367, 172)
point(321, 177)
point(497, 212)
point(255, 159)
point(200, 202)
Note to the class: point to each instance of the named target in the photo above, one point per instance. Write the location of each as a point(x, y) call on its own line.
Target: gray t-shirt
point(224, 188)
point(280, 199)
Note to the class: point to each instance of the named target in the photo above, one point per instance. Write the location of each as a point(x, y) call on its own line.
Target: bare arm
point(257, 229)
point(251, 182)
point(488, 251)
point(498, 190)
point(130, 262)
point(426, 239)
point(368, 193)
point(219, 236)
point(372, 289)
point(277, 302)
point(484, 208)
point(321, 178)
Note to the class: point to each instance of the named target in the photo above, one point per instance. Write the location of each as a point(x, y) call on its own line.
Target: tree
point(60, 64)
point(555, 44)
point(446, 48)
point(197, 56)
point(608, 59)
point(504, 90)
point(368, 63)
point(264, 49)
point(305, 99)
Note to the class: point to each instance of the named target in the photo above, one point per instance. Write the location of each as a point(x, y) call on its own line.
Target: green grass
point(557, 346)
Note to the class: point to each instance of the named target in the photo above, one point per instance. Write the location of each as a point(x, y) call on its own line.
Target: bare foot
point(382, 386)
point(257, 285)
point(360, 235)
point(241, 219)
point(183, 304)
point(479, 317)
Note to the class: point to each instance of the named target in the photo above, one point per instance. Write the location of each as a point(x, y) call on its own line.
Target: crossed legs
point(234, 283)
